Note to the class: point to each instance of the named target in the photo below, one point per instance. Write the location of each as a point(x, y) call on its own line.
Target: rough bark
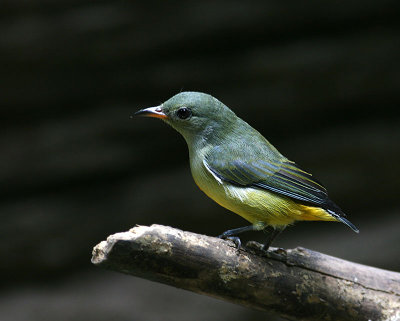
point(298, 284)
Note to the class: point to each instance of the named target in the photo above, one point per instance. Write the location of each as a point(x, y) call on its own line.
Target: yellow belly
point(260, 207)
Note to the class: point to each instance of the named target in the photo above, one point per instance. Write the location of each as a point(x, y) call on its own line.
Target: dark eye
point(184, 113)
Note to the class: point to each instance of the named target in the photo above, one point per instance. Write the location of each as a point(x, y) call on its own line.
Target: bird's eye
point(184, 113)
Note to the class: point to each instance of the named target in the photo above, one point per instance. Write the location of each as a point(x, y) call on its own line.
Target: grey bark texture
point(297, 284)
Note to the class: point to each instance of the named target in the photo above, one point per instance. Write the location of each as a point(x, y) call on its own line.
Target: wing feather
point(283, 176)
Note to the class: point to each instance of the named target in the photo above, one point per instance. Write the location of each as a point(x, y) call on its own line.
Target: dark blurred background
point(320, 79)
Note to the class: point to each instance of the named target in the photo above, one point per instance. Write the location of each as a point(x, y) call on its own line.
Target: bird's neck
point(198, 145)
point(201, 143)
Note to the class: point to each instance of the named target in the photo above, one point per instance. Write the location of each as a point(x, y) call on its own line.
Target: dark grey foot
point(230, 235)
point(236, 240)
point(274, 253)
point(278, 254)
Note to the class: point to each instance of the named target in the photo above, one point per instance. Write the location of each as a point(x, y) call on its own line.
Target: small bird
point(238, 168)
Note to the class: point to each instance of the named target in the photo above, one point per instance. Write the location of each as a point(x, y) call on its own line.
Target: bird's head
point(193, 115)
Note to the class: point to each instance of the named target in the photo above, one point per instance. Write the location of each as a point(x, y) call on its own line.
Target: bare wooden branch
point(298, 284)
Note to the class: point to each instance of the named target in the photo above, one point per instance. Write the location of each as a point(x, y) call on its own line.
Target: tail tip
point(349, 224)
point(345, 221)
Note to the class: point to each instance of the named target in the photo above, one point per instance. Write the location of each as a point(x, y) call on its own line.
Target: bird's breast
point(254, 205)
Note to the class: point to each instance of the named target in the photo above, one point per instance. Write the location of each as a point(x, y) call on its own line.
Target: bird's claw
point(278, 254)
point(274, 253)
point(236, 240)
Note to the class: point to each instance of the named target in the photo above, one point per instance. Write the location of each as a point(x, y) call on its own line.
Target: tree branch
point(298, 284)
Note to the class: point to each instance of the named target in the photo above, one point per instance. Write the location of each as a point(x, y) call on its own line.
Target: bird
point(233, 164)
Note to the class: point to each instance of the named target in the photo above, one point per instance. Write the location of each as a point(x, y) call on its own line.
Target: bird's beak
point(152, 112)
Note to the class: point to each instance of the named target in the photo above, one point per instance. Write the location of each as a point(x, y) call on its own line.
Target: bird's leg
point(236, 231)
point(272, 233)
point(230, 234)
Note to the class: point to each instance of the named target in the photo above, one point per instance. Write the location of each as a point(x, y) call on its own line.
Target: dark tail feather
point(344, 220)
